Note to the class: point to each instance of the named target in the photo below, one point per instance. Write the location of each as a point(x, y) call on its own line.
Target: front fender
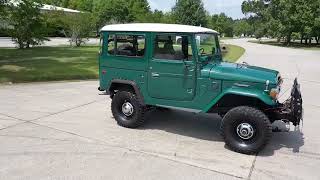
point(261, 95)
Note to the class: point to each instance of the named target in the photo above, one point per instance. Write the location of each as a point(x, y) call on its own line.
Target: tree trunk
point(21, 45)
point(317, 39)
point(301, 40)
point(288, 39)
point(306, 41)
point(310, 40)
point(78, 42)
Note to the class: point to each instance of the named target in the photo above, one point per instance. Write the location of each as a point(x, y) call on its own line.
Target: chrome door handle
point(155, 74)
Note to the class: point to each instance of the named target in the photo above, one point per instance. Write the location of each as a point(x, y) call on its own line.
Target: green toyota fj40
point(181, 67)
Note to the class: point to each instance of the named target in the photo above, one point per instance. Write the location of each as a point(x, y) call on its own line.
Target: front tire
point(246, 130)
point(127, 109)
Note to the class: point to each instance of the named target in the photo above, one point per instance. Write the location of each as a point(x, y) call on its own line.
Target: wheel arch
point(243, 97)
point(125, 85)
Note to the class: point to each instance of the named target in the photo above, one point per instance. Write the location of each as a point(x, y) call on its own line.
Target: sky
point(231, 8)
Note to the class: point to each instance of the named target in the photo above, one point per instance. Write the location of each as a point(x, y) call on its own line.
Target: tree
point(2, 7)
point(222, 23)
point(3, 10)
point(139, 10)
point(2, 17)
point(316, 29)
point(190, 12)
point(82, 5)
point(26, 23)
point(168, 18)
point(55, 21)
point(157, 16)
point(254, 7)
point(61, 3)
point(242, 27)
point(284, 18)
point(316, 22)
point(111, 10)
point(78, 30)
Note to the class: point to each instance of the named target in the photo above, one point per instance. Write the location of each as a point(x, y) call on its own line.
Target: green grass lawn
point(296, 45)
point(48, 64)
point(60, 63)
point(233, 53)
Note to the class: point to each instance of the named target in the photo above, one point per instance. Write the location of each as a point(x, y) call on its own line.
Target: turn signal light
point(274, 93)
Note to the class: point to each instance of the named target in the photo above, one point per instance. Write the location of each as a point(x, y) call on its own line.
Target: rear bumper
point(291, 109)
point(107, 91)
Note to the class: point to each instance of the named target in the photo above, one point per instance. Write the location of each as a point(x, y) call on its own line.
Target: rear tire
point(127, 109)
point(246, 130)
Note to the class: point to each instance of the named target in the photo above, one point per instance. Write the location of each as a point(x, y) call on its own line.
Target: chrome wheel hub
point(127, 109)
point(245, 131)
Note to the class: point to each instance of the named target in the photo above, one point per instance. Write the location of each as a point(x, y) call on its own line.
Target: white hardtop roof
point(156, 27)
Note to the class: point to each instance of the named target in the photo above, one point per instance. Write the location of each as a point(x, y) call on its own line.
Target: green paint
point(197, 83)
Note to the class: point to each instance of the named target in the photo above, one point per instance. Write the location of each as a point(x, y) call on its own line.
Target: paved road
point(7, 42)
point(296, 155)
point(65, 130)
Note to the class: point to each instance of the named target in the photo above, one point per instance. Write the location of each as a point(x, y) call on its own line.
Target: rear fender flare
point(127, 82)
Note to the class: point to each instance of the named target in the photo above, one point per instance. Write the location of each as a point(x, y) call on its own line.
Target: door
point(172, 71)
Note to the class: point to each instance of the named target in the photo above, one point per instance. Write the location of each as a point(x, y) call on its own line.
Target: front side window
point(207, 44)
point(172, 47)
point(126, 45)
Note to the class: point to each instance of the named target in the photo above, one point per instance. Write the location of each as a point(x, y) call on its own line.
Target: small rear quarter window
point(126, 45)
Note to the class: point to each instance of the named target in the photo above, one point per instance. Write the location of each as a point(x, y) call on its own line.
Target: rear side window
point(126, 45)
point(172, 47)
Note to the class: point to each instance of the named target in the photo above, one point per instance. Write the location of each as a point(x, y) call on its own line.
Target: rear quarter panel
point(122, 67)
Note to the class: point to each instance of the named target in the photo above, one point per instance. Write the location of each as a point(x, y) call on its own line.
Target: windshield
point(207, 44)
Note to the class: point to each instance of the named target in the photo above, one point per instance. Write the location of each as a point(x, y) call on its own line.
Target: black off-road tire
point(138, 116)
point(257, 119)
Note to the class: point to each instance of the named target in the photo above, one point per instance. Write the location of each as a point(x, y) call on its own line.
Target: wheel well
point(124, 85)
point(121, 87)
point(230, 101)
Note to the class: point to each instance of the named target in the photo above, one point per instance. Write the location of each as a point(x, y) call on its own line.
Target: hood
point(241, 72)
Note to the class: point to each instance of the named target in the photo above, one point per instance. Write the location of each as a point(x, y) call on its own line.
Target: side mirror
point(218, 56)
point(213, 50)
